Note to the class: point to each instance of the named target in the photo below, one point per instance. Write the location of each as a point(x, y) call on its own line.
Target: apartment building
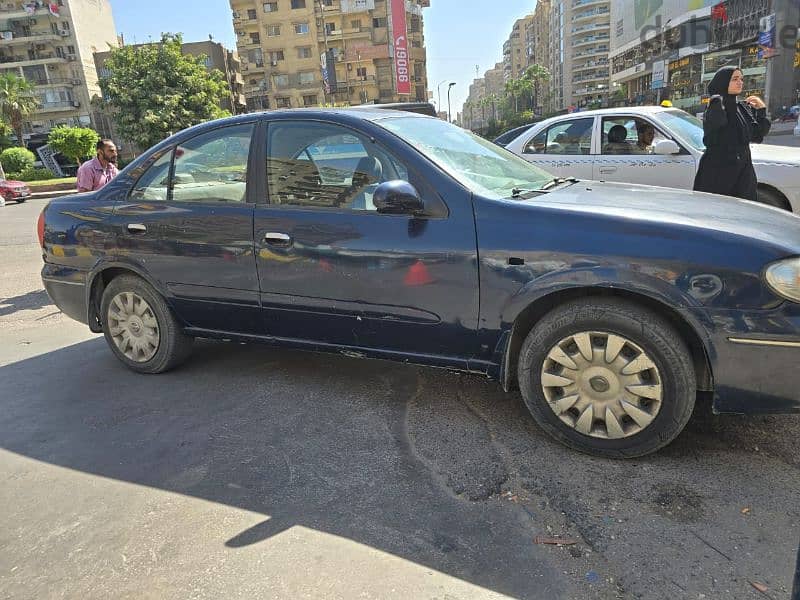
point(310, 52)
point(515, 49)
point(217, 58)
point(588, 34)
point(51, 45)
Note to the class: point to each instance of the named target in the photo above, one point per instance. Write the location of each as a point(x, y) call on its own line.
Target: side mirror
point(666, 147)
point(397, 197)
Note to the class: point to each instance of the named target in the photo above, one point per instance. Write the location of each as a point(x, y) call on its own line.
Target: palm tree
point(536, 74)
point(17, 103)
point(512, 89)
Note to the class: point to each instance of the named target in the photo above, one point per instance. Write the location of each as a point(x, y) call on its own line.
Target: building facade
point(515, 49)
point(673, 50)
point(51, 45)
point(298, 53)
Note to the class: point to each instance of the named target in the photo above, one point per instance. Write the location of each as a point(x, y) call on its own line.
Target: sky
point(459, 34)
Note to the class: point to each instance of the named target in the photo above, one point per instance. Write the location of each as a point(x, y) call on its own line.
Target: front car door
point(563, 148)
point(188, 223)
point(335, 271)
point(626, 154)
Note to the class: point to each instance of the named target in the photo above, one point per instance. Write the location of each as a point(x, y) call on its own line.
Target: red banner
point(402, 64)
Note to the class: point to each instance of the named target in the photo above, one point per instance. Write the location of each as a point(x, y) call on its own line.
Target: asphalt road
point(257, 472)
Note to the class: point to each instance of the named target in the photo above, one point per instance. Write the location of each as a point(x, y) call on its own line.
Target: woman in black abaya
point(730, 126)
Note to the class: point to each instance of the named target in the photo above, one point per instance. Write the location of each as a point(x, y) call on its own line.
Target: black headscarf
point(719, 85)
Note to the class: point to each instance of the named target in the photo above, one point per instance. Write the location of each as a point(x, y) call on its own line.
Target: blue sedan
point(612, 307)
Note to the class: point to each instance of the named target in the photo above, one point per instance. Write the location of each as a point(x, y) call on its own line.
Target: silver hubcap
point(133, 326)
point(602, 385)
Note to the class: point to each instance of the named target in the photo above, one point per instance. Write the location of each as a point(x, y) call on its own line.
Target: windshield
point(690, 128)
point(477, 164)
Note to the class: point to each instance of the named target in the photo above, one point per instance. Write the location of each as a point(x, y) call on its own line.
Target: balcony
point(586, 3)
point(593, 39)
point(599, 51)
point(9, 62)
point(21, 15)
point(71, 82)
point(346, 34)
point(592, 27)
point(591, 14)
point(590, 65)
point(47, 107)
point(590, 90)
point(33, 38)
point(591, 77)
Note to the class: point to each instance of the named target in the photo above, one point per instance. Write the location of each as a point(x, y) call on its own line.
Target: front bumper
point(755, 360)
point(67, 289)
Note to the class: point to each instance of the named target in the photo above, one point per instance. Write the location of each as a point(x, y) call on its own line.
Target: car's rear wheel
point(140, 328)
point(607, 377)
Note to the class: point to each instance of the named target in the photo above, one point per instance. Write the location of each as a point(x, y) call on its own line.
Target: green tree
point(76, 143)
point(17, 103)
point(536, 74)
point(16, 160)
point(155, 90)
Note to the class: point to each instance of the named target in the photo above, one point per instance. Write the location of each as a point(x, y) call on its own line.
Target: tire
point(21, 200)
point(660, 398)
point(131, 308)
point(772, 198)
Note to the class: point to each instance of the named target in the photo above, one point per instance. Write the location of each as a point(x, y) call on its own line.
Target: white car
point(604, 145)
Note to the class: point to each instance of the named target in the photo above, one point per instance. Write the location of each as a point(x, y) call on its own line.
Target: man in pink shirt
point(95, 173)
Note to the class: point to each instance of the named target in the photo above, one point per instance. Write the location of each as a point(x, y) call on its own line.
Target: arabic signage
point(402, 64)
point(328, 65)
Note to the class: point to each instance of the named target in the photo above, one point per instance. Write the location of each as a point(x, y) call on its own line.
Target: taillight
point(40, 229)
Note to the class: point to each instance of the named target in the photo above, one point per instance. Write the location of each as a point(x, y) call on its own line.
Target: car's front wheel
point(607, 377)
point(140, 328)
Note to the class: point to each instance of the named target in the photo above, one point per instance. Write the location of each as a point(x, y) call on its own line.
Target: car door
point(563, 148)
point(630, 159)
point(188, 223)
point(334, 270)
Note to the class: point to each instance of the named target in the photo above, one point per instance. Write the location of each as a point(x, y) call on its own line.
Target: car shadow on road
point(365, 450)
point(29, 301)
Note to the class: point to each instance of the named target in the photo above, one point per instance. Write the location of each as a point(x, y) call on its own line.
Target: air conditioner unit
point(76, 104)
point(64, 33)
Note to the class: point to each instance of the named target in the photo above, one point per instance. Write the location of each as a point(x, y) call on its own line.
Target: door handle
point(607, 170)
point(278, 239)
point(137, 228)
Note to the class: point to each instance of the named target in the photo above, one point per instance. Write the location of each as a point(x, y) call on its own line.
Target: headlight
point(784, 278)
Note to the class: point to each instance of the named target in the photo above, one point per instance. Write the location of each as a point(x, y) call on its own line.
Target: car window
point(153, 185)
point(324, 165)
point(629, 135)
point(565, 137)
point(211, 167)
point(687, 126)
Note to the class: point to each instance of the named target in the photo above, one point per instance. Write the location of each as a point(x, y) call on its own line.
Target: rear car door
point(631, 160)
point(563, 148)
point(336, 271)
point(188, 224)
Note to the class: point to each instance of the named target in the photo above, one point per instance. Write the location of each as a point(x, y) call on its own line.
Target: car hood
point(681, 208)
point(765, 153)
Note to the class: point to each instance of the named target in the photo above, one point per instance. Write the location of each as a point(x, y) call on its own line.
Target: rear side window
point(565, 137)
point(211, 167)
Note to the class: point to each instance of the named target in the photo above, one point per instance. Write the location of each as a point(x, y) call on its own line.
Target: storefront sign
point(766, 37)
point(659, 74)
point(402, 64)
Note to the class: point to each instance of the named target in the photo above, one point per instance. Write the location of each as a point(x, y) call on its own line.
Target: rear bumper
point(67, 289)
point(755, 360)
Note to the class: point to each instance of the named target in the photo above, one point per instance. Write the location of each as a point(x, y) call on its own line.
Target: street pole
point(449, 118)
point(439, 93)
point(325, 38)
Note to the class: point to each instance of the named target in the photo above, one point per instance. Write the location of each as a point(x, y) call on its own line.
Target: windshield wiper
point(518, 192)
point(557, 181)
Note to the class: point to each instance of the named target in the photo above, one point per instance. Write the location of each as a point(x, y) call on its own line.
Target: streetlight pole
point(449, 118)
point(439, 93)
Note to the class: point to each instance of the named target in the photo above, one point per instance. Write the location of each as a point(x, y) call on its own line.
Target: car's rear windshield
point(479, 165)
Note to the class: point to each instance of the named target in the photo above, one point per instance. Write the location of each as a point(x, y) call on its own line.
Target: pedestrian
point(95, 173)
point(730, 126)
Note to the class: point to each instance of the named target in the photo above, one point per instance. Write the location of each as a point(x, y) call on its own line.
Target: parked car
point(578, 145)
point(18, 191)
point(398, 236)
point(512, 134)
point(797, 126)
